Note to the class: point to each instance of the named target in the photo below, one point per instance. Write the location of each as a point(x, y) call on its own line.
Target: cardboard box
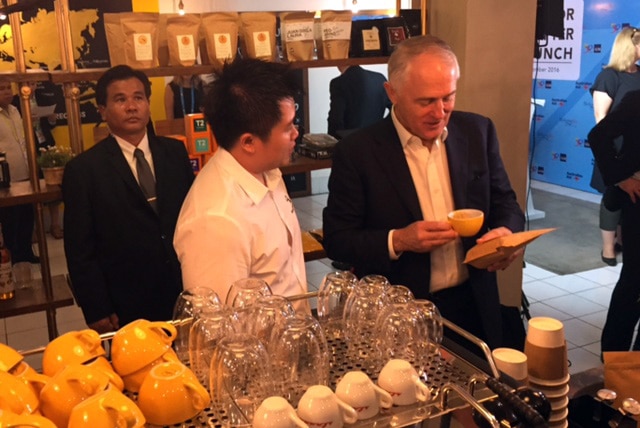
point(198, 133)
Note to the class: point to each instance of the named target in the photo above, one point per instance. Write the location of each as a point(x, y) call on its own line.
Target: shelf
point(305, 164)
point(35, 75)
point(34, 299)
point(21, 192)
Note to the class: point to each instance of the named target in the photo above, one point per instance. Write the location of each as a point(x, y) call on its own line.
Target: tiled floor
point(579, 300)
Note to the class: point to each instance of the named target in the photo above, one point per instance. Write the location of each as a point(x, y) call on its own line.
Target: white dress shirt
point(128, 149)
point(232, 226)
point(430, 173)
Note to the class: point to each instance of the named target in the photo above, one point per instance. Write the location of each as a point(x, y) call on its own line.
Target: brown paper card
point(483, 255)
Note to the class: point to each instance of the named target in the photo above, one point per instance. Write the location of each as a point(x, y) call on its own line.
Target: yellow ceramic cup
point(102, 364)
point(69, 387)
point(9, 357)
point(71, 348)
point(30, 377)
point(107, 409)
point(11, 420)
point(133, 381)
point(171, 394)
point(139, 343)
point(16, 396)
point(466, 222)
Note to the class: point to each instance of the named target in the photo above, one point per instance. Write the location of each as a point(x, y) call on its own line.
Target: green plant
point(54, 156)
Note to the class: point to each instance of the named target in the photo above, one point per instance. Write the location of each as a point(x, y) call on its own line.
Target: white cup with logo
point(276, 412)
point(358, 390)
point(401, 381)
point(319, 406)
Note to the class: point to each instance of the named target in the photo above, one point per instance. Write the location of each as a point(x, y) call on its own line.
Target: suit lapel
point(458, 159)
point(392, 161)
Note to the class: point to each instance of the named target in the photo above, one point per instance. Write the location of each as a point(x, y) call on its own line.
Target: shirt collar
point(128, 148)
point(407, 137)
point(251, 185)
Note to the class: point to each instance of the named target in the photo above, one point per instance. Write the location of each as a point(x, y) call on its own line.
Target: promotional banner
point(563, 113)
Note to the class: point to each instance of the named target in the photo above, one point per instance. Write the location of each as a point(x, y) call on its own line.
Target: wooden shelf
point(34, 299)
point(21, 192)
point(305, 164)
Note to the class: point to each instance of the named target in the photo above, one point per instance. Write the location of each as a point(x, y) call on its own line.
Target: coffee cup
point(102, 364)
point(546, 349)
point(401, 381)
point(511, 362)
point(12, 420)
point(71, 348)
point(107, 409)
point(133, 381)
point(139, 343)
point(16, 396)
point(358, 390)
point(9, 357)
point(467, 222)
point(30, 377)
point(171, 394)
point(276, 412)
point(319, 406)
point(70, 386)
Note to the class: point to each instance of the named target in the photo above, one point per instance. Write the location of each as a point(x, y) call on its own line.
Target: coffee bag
point(140, 39)
point(258, 35)
point(219, 34)
point(115, 38)
point(296, 33)
point(336, 33)
point(182, 39)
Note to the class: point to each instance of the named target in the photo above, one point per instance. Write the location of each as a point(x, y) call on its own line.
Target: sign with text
point(560, 59)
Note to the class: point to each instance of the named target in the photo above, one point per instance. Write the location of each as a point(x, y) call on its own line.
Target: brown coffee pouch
point(115, 38)
point(182, 39)
point(219, 32)
point(258, 35)
point(140, 39)
point(163, 43)
point(336, 33)
point(296, 33)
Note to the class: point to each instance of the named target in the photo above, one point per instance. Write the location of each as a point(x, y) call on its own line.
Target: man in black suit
point(118, 238)
point(357, 99)
point(393, 184)
point(622, 171)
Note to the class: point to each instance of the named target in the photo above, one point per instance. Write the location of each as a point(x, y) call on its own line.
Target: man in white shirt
point(17, 221)
point(238, 220)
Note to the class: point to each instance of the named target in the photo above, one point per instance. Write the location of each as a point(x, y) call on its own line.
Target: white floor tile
point(536, 272)
point(541, 290)
point(572, 283)
point(600, 295)
point(581, 333)
point(540, 309)
point(582, 360)
point(574, 305)
point(596, 319)
point(602, 276)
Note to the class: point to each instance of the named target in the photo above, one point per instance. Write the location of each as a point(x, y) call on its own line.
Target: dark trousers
point(17, 230)
point(624, 308)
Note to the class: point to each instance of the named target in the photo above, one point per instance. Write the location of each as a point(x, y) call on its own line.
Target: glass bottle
point(7, 286)
point(5, 176)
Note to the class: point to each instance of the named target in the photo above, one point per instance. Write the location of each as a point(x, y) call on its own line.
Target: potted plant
point(52, 161)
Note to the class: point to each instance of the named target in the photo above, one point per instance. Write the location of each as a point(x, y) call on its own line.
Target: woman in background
point(618, 77)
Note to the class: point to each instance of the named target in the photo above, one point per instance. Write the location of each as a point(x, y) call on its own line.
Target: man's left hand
point(503, 263)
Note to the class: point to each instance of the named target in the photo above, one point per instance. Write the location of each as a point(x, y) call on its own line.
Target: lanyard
point(193, 100)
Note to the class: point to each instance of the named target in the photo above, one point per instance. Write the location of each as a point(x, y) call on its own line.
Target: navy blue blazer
point(371, 192)
point(119, 251)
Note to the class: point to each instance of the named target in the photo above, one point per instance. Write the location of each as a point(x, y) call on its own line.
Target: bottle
point(5, 177)
point(7, 286)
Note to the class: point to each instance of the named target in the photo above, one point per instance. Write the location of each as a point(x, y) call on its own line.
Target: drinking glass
point(332, 297)
point(239, 378)
point(262, 318)
point(400, 294)
point(189, 304)
point(211, 327)
point(299, 356)
point(244, 292)
point(361, 310)
point(434, 323)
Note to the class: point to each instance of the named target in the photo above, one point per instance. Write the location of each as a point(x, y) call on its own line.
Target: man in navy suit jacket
point(119, 249)
point(621, 170)
point(357, 99)
point(392, 185)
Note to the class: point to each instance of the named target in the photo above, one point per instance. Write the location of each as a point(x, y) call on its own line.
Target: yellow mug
point(102, 364)
point(171, 394)
point(71, 348)
point(139, 343)
point(30, 377)
point(467, 222)
point(107, 409)
point(12, 420)
point(69, 387)
point(16, 396)
point(133, 381)
point(9, 357)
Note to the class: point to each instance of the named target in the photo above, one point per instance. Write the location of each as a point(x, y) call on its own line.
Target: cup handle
point(296, 420)
point(168, 330)
point(384, 398)
point(422, 391)
point(128, 416)
point(349, 414)
point(199, 396)
point(91, 338)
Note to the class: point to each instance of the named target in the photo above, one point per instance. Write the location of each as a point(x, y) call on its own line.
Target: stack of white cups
point(548, 367)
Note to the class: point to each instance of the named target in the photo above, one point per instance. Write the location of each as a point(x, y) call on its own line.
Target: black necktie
point(145, 178)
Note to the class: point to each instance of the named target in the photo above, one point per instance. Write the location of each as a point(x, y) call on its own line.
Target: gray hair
point(415, 46)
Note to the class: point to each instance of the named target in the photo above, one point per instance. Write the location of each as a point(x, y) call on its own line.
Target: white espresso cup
point(401, 381)
point(511, 362)
point(276, 412)
point(358, 390)
point(319, 406)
